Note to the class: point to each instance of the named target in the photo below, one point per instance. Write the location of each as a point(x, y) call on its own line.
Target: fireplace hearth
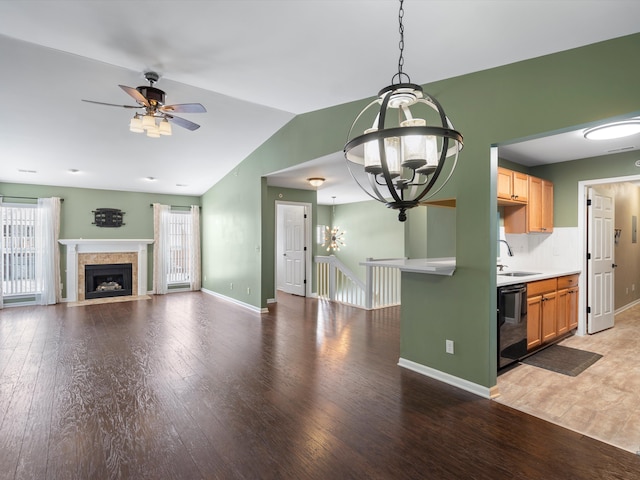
point(108, 280)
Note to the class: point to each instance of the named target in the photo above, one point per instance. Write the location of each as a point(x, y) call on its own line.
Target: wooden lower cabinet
point(534, 320)
point(552, 309)
point(562, 319)
point(568, 317)
point(549, 316)
point(572, 309)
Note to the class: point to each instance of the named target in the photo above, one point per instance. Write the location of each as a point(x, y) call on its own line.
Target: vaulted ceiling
point(254, 64)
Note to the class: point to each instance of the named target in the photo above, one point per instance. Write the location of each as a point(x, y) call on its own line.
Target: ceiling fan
point(151, 99)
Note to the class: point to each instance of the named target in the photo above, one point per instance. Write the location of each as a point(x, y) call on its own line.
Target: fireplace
point(108, 280)
point(81, 252)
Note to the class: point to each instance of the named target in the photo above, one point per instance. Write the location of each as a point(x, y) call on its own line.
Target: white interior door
point(600, 262)
point(293, 249)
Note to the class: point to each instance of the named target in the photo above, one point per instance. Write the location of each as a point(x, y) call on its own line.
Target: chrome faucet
point(508, 247)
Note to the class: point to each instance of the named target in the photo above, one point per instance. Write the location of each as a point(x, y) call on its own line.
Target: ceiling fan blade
point(112, 104)
point(137, 96)
point(182, 122)
point(183, 108)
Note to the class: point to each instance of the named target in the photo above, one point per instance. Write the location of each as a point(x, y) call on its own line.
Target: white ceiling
point(254, 64)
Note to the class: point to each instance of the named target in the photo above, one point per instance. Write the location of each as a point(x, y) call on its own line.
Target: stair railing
point(336, 282)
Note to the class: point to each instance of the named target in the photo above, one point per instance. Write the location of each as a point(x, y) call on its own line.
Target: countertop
point(432, 266)
point(446, 266)
point(540, 274)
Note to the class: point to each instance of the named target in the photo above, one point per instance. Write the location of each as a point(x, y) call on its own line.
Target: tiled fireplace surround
point(81, 252)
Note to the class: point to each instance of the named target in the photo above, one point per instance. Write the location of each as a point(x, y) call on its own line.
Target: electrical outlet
point(633, 287)
point(248, 290)
point(448, 346)
point(627, 291)
point(231, 286)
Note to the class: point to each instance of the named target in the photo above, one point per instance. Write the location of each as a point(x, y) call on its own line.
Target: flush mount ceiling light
point(403, 151)
point(613, 130)
point(315, 181)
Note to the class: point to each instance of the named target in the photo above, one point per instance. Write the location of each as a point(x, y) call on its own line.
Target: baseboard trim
point(449, 379)
point(248, 306)
point(627, 307)
point(271, 300)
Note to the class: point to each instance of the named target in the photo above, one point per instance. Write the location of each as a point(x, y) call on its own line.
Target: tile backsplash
point(558, 250)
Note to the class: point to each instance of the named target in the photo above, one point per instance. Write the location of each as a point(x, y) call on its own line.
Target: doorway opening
point(586, 236)
point(293, 248)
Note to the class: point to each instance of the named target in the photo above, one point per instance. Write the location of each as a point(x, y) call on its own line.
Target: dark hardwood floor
point(188, 386)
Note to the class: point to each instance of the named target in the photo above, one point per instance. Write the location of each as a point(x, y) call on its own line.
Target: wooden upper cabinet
point(520, 187)
point(540, 206)
point(547, 206)
point(534, 216)
point(513, 187)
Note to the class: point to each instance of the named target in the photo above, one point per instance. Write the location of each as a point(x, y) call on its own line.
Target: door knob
point(613, 265)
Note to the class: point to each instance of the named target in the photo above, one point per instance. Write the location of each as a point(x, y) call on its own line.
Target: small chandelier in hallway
point(334, 239)
point(401, 152)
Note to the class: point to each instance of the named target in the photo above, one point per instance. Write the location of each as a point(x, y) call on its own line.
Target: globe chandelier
point(400, 155)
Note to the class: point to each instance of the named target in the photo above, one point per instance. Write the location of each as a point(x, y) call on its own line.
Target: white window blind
point(18, 249)
point(180, 232)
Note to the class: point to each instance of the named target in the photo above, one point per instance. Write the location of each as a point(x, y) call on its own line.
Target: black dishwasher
point(512, 324)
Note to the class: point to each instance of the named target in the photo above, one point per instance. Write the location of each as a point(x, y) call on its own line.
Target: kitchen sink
point(517, 274)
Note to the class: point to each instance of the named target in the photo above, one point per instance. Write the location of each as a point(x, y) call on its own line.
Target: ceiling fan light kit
point(400, 153)
point(156, 117)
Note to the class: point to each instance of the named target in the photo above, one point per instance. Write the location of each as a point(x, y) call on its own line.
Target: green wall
point(278, 194)
point(323, 218)
point(76, 215)
point(235, 204)
point(372, 231)
point(566, 175)
point(524, 99)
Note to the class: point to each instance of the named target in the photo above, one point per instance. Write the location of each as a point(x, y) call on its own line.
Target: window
point(180, 233)
point(18, 249)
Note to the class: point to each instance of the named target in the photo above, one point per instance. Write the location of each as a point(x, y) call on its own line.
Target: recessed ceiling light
point(613, 130)
point(181, 185)
point(150, 179)
point(74, 170)
point(22, 170)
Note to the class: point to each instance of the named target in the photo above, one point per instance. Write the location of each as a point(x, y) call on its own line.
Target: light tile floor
point(603, 402)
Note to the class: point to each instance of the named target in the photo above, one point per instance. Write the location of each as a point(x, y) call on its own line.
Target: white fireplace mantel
point(99, 245)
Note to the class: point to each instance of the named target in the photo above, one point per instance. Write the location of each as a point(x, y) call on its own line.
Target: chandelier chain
point(400, 73)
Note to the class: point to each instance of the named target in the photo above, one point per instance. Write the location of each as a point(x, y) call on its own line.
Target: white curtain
point(47, 258)
point(194, 268)
point(160, 247)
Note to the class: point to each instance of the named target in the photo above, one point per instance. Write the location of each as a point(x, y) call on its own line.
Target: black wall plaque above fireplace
point(109, 280)
point(108, 217)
